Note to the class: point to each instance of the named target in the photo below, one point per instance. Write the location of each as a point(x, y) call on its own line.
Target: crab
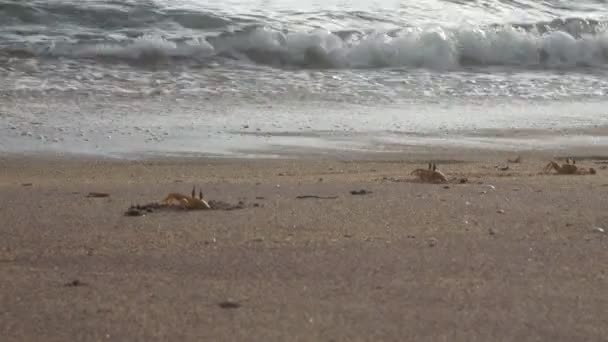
point(187, 202)
point(430, 175)
point(569, 168)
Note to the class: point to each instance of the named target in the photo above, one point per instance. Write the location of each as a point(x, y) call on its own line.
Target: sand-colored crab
point(430, 175)
point(188, 202)
point(569, 168)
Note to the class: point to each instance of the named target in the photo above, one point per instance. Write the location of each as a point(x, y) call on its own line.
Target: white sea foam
point(431, 47)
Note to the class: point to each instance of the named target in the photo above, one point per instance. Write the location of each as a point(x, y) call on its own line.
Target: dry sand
point(509, 256)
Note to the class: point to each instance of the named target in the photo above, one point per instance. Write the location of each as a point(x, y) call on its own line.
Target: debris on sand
point(220, 205)
point(316, 197)
point(27, 184)
point(229, 304)
point(97, 195)
point(599, 230)
point(432, 242)
point(141, 210)
point(360, 192)
point(75, 283)
point(132, 211)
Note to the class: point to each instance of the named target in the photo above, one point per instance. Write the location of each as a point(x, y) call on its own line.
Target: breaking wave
point(143, 33)
point(436, 47)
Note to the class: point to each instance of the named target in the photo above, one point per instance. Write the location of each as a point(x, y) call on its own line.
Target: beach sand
point(509, 255)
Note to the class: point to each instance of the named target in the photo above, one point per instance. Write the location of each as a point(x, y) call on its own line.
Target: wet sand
point(508, 255)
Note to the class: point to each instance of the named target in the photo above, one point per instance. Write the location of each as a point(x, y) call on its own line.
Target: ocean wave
point(574, 43)
point(109, 15)
point(144, 32)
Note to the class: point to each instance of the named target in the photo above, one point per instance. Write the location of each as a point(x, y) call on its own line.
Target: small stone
point(500, 211)
point(432, 242)
point(599, 230)
point(492, 231)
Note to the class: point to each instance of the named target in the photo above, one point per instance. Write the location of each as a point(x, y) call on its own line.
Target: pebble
point(599, 229)
point(500, 211)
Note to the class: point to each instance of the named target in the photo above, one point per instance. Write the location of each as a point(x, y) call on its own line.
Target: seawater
point(90, 72)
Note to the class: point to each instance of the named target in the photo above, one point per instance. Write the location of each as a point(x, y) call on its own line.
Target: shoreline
point(157, 126)
point(361, 146)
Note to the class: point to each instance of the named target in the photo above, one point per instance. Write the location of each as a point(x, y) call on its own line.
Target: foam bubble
point(147, 48)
